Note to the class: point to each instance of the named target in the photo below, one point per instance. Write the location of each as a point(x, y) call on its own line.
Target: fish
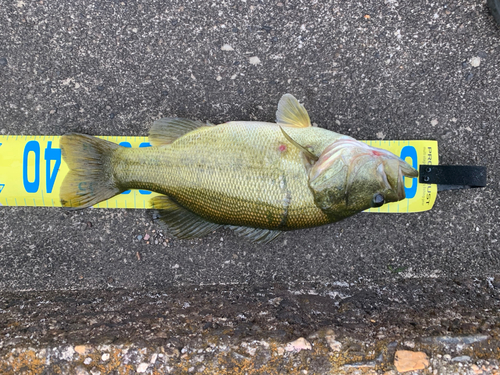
point(257, 178)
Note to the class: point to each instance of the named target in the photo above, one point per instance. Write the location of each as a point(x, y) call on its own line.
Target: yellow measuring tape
point(32, 170)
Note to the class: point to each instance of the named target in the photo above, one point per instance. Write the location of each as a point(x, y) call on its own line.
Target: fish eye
point(377, 200)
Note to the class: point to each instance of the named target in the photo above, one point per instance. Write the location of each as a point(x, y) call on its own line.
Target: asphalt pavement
point(372, 70)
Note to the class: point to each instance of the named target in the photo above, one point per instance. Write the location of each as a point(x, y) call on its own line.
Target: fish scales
point(242, 173)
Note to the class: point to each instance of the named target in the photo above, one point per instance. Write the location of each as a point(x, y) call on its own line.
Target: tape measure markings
point(28, 171)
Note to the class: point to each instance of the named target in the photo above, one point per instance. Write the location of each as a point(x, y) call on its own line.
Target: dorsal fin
point(166, 130)
point(292, 113)
point(181, 223)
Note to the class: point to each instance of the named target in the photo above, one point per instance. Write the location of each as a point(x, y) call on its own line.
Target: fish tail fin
point(90, 178)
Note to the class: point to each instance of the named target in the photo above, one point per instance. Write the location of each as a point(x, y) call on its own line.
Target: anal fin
point(256, 235)
point(166, 130)
point(181, 223)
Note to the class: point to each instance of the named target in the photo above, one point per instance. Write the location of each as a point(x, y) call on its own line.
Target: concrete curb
point(435, 325)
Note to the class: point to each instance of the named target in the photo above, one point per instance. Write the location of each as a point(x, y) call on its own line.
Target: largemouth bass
point(258, 178)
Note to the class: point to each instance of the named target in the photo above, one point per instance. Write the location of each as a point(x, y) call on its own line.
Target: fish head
point(351, 176)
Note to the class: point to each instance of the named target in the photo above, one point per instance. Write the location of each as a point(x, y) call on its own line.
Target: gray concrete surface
point(392, 70)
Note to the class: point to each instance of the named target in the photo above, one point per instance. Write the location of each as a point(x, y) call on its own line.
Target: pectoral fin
point(310, 157)
point(166, 130)
point(292, 113)
point(181, 223)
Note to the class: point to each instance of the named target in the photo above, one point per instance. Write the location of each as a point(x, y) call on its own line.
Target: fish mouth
point(393, 165)
point(407, 170)
point(404, 170)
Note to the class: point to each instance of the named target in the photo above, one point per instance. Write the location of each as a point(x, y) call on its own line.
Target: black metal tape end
point(450, 177)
